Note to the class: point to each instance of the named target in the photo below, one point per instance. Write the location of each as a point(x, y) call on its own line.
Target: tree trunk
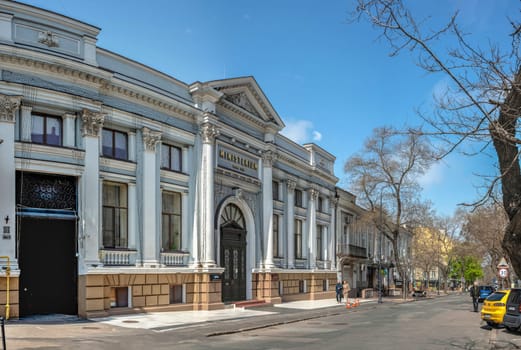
point(503, 131)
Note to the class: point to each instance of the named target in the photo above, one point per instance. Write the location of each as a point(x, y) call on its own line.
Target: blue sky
point(331, 81)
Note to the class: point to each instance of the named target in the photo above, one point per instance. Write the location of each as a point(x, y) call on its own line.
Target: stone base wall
point(14, 308)
point(294, 286)
point(147, 292)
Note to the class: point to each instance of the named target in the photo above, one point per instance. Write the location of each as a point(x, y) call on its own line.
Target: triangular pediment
point(245, 96)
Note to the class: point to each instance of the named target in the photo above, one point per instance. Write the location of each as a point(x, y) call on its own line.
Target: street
point(446, 322)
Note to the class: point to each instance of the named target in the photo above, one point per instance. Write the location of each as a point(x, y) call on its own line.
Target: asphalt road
point(446, 322)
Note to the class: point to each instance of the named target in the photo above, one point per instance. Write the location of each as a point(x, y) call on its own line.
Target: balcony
point(352, 251)
point(174, 258)
point(118, 257)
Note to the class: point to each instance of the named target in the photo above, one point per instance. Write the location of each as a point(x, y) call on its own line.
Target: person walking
point(345, 290)
point(338, 289)
point(474, 293)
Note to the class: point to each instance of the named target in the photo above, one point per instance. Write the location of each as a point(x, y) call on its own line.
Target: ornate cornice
point(92, 123)
point(8, 106)
point(103, 81)
point(208, 132)
point(150, 139)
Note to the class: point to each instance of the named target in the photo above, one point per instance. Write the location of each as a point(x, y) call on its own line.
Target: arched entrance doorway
point(233, 253)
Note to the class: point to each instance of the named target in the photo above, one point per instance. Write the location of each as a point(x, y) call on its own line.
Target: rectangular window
point(319, 242)
point(46, 130)
point(171, 221)
point(298, 198)
point(298, 239)
point(275, 189)
point(176, 294)
point(171, 158)
point(115, 231)
point(320, 205)
point(114, 144)
point(119, 297)
point(276, 235)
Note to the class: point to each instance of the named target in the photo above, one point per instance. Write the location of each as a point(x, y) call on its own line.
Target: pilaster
point(9, 105)
point(208, 132)
point(149, 170)
point(267, 206)
point(312, 228)
point(290, 223)
point(92, 123)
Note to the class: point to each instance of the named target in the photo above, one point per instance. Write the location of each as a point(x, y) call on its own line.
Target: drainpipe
point(7, 274)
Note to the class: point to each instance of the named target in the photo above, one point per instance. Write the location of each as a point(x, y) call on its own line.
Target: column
point(312, 228)
point(92, 123)
point(149, 204)
point(69, 134)
point(131, 146)
point(267, 207)
point(8, 107)
point(290, 222)
point(132, 215)
point(208, 133)
point(25, 121)
point(333, 201)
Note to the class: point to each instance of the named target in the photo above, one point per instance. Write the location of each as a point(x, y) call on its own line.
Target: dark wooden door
point(48, 276)
point(233, 260)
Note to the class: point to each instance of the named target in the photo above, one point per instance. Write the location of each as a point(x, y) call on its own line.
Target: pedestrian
point(474, 293)
point(345, 290)
point(338, 289)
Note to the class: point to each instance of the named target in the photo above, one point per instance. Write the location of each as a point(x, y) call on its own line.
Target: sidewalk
point(177, 319)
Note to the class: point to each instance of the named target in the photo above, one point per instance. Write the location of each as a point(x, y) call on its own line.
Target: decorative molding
point(268, 157)
point(8, 107)
point(241, 100)
point(48, 38)
point(208, 132)
point(313, 194)
point(151, 139)
point(291, 185)
point(92, 122)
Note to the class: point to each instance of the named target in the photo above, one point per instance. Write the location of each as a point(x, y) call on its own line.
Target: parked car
point(512, 319)
point(494, 307)
point(484, 292)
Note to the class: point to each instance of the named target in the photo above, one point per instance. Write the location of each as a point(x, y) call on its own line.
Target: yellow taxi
point(494, 307)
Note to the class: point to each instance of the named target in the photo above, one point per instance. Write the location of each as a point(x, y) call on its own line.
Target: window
point(171, 221)
point(319, 242)
point(320, 205)
point(298, 239)
point(114, 215)
point(119, 297)
point(298, 198)
point(275, 189)
point(46, 130)
point(171, 158)
point(275, 235)
point(114, 144)
point(176, 294)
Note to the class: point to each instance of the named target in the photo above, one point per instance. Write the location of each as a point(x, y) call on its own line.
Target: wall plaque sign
point(235, 160)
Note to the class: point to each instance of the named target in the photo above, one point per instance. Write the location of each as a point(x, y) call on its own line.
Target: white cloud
point(301, 131)
point(433, 176)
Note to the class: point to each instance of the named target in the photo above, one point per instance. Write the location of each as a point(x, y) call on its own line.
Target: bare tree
point(485, 227)
point(384, 175)
point(483, 102)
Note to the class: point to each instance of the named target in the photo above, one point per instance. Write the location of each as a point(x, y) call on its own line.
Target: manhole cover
point(130, 321)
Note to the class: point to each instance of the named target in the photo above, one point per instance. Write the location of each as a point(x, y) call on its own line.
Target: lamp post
point(380, 252)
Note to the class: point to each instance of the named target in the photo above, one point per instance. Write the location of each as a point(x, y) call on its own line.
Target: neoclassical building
point(126, 189)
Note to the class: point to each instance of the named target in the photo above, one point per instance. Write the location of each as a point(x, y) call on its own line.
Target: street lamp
point(380, 252)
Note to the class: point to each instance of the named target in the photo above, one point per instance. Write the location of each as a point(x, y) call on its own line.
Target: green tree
point(468, 267)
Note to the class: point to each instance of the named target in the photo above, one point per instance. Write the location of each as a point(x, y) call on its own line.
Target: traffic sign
point(503, 273)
